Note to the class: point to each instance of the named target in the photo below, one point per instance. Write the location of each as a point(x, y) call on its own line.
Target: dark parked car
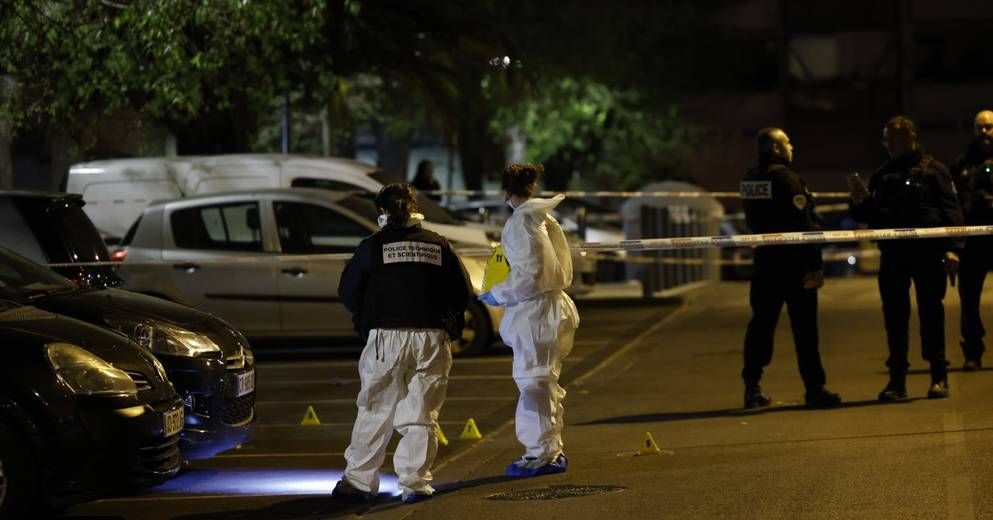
point(83, 411)
point(210, 363)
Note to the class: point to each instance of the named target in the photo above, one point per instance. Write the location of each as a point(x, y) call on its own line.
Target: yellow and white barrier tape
point(830, 256)
point(648, 244)
point(624, 194)
point(792, 238)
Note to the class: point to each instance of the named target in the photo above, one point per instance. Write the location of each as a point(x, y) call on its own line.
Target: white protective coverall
point(539, 323)
point(404, 374)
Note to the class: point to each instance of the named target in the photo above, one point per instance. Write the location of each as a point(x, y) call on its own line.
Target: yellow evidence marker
point(470, 432)
point(649, 447)
point(310, 418)
point(497, 269)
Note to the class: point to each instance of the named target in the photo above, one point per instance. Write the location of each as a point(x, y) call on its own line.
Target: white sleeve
point(523, 252)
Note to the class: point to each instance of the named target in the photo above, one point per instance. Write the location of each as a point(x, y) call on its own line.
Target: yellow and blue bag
point(497, 269)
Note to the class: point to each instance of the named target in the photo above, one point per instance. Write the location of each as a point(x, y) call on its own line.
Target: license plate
point(172, 422)
point(244, 383)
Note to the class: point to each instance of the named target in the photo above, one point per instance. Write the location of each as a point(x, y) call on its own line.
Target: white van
point(117, 191)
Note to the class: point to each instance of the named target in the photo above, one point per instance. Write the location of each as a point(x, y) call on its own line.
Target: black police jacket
point(777, 200)
point(405, 277)
point(912, 191)
point(973, 176)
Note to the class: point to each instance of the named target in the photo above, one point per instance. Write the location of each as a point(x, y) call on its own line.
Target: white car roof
point(316, 194)
point(337, 163)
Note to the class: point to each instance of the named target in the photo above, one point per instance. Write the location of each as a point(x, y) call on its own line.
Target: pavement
point(671, 371)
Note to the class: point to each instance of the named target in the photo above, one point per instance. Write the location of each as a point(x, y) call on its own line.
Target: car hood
point(110, 307)
point(473, 236)
point(28, 326)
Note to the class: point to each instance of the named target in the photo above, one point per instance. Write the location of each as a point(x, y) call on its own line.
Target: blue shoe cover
point(519, 468)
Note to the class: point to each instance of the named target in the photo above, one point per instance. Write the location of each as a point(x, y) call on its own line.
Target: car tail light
point(119, 255)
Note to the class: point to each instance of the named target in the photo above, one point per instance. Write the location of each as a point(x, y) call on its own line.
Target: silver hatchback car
point(260, 260)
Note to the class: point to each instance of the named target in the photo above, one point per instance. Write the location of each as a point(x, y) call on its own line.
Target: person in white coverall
point(540, 319)
point(408, 292)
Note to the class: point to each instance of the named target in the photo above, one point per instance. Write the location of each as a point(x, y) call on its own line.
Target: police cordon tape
point(501, 194)
point(791, 238)
point(646, 244)
point(625, 194)
point(832, 256)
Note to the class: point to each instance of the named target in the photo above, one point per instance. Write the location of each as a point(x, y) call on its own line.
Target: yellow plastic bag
point(497, 269)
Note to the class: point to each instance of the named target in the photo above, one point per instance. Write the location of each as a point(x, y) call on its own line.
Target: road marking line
point(954, 437)
point(960, 501)
point(337, 424)
point(579, 381)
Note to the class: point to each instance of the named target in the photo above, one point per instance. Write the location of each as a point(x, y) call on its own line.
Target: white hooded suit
point(539, 323)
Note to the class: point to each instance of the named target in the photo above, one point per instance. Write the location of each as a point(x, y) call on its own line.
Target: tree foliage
point(169, 60)
point(586, 80)
point(592, 136)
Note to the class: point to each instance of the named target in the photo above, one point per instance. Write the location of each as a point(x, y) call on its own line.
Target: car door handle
point(295, 271)
point(186, 266)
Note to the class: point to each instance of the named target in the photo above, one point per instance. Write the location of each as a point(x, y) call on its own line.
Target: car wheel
point(18, 485)
point(477, 334)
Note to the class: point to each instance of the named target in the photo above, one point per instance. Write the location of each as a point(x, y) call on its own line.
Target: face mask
point(510, 205)
point(382, 220)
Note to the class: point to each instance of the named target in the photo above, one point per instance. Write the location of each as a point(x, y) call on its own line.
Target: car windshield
point(362, 205)
point(67, 236)
point(65, 232)
point(433, 212)
point(22, 279)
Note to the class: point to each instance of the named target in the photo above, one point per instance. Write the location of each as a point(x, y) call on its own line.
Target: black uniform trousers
point(769, 291)
point(977, 261)
point(926, 269)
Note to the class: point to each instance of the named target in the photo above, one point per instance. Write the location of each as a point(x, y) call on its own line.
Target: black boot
point(821, 398)
point(896, 389)
point(754, 398)
point(938, 390)
point(939, 381)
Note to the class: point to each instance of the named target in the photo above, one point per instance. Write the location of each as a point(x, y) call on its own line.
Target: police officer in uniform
point(777, 200)
point(911, 190)
point(973, 174)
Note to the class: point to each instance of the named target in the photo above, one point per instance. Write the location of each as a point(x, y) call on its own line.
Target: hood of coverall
point(534, 243)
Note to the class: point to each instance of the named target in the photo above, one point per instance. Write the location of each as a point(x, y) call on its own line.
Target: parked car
point(581, 222)
point(209, 361)
point(83, 411)
point(259, 260)
point(118, 190)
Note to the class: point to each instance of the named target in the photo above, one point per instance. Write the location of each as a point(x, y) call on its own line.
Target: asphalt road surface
point(671, 371)
point(286, 458)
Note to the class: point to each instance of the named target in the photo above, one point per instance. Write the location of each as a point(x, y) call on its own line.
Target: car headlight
point(85, 373)
point(162, 338)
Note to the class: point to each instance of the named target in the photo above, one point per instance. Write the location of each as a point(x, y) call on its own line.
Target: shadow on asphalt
point(735, 412)
point(309, 508)
point(466, 484)
point(444, 489)
point(925, 371)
